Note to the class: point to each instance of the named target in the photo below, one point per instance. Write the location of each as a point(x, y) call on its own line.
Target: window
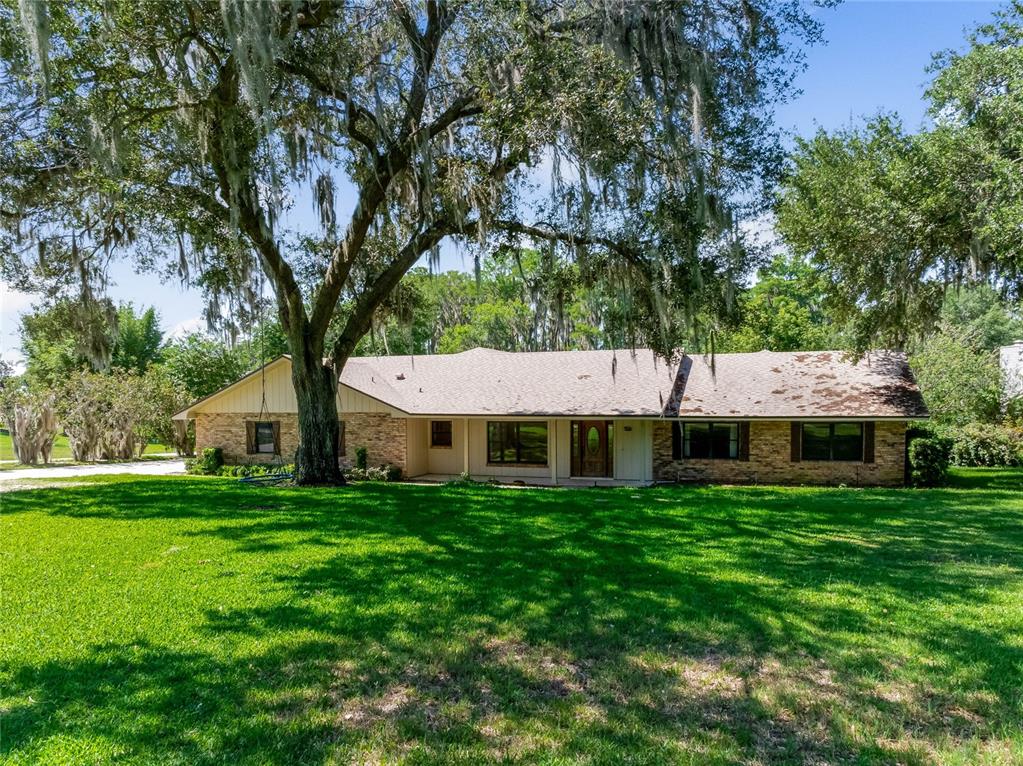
point(440, 433)
point(512, 443)
point(832, 441)
point(342, 448)
point(711, 441)
point(263, 441)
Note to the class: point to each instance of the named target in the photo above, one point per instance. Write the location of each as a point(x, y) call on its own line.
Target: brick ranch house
point(594, 417)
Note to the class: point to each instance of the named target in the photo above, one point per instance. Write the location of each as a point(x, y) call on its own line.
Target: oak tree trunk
point(316, 461)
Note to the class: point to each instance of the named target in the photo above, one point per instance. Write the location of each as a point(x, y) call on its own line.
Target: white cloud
point(12, 303)
point(187, 326)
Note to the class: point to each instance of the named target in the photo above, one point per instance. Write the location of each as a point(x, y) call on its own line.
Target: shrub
point(255, 469)
point(208, 463)
point(987, 444)
point(386, 472)
point(928, 461)
point(361, 458)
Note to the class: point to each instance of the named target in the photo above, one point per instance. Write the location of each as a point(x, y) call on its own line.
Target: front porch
point(531, 450)
point(571, 481)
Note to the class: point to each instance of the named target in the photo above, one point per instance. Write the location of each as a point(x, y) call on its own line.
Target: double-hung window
point(440, 433)
point(832, 441)
point(710, 441)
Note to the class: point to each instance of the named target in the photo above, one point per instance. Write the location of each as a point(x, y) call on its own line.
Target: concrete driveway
point(141, 468)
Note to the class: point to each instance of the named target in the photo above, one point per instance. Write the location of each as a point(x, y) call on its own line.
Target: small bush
point(382, 473)
point(987, 444)
point(208, 462)
point(928, 461)
point(256, 469)
point(361, 458)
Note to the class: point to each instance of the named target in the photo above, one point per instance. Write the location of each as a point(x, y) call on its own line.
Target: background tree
point(200, 365)
point(785, 310)
point(153, 123)
point(31, 420)
point(68, 335)
point(894, 219)
point(138, 340)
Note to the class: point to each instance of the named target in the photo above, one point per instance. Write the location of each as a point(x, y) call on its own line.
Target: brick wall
point(383, 436)
point(227, 431)
point(385, 439)
point(770, 460)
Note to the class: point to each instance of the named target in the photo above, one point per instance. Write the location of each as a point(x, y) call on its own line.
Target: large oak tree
point(186, 127)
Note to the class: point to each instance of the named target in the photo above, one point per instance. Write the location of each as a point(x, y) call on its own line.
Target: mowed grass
point(199, 621)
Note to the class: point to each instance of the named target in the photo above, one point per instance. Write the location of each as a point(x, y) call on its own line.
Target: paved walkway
point(142, 468)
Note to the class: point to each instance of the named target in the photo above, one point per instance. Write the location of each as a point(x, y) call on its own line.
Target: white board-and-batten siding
point(247, 396)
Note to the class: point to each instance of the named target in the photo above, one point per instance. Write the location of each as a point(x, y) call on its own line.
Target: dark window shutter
point(276, 424)
point(250, 437)
point(676, 440)
point(797, 442)
point(744, 441)
point(868, 442)
point(341, 438)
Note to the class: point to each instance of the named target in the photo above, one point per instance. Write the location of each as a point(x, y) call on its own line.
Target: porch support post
point(465, 447)
point(553, 452)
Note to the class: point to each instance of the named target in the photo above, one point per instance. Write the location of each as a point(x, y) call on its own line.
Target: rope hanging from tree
point(278, 472)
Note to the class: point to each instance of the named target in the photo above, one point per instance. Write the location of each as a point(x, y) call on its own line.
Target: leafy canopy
point(893, 219)
point(184, 133)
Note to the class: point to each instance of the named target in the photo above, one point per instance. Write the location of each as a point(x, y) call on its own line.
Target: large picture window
point(711, 441)
point(510, 443)
point(832, 441)
point(440, 433)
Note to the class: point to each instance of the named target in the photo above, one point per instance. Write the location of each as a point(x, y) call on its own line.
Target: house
point(566, 417)
point(1010, 359)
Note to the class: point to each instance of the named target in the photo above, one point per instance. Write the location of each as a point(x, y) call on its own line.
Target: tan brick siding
point(385, 439)
point(227, 431)
point(770, 460)
point(383, 436)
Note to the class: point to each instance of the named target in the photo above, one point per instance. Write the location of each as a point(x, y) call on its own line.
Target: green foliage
point(986, 444)
point(893, 218)
point(784, 311)
point(479, 625)
point(361, 458)
point(253, 469)
point(928, 461)
point(74, 334)
point(960, 383)
point(979, 314)
point(200, 365)
point(978, 95)
point(138, 341)
point(208, 462)
point(387, 472)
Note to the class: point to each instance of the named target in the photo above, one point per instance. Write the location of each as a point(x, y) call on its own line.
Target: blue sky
point(875, 58)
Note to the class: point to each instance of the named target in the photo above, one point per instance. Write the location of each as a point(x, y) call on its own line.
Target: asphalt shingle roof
point(637, 383)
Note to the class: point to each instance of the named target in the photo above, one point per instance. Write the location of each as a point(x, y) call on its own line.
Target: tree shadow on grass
point(514, 625)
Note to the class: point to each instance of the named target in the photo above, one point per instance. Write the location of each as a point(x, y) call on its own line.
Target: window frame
point(734, 428)
point(504, 427)
point(450, 434)
point(860, 458)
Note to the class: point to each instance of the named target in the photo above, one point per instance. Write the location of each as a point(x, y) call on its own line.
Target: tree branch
point(361, 316)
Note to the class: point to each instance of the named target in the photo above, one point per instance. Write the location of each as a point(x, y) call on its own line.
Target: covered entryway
point(593, 448)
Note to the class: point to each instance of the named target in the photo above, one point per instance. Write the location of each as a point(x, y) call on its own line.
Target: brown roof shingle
point(766, 384)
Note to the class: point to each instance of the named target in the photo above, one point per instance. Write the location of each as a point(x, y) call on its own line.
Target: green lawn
point(61, 449)
point(199, 621)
